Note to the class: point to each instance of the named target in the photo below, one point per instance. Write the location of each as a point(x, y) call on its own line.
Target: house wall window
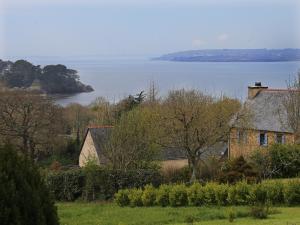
point(280, 138)
point(263, 139)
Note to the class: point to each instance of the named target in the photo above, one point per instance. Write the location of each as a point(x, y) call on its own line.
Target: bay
point(115, 77)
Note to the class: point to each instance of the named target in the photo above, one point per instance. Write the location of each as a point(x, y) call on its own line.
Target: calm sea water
point(117, 77)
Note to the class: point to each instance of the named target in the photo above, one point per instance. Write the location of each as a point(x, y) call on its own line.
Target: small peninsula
point(234, 55)
point(50, 79)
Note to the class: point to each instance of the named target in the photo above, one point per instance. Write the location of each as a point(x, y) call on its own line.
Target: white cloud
point(223, 37)
point(198, 42)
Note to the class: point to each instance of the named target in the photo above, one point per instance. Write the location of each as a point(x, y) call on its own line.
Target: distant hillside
point(51, 79)
point(234, 55)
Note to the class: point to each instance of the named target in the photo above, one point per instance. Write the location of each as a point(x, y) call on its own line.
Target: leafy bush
point(209, 196)
point(162, 195)
point(122, 198)
point(239, 194)
point(291, 192)
point(196, 195)
point(149, 195)
point(96, 182)
point(25, 199)
point(259, 194)
point(178, 195)
point(66, 185)
point(278, 161)
point(135, 197)
point(221, 194)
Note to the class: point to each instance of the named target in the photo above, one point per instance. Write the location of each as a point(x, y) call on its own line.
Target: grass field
point(110, 214)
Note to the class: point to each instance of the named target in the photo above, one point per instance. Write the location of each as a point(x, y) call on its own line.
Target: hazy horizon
point(150, 28)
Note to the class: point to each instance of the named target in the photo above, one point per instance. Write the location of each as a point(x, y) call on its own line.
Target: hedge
point(267, 192)
point(72, 184)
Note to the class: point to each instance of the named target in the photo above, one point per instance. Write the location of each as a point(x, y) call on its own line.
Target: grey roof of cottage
point(267, 111)
point(100, 136)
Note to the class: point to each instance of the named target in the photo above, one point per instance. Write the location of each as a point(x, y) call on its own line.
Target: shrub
point(237, 170)
point(196, 195)
point(274, 191)
point(221, 194)
point(135, 197)
point(162, 195)
point(259, 194)
point(97, 183)
point(66, 185)
point(291, 192)
point(149, 195)
point(25, 199)
point(121, 198)
point(239, 194)
point(209, 193)
point(178, 195)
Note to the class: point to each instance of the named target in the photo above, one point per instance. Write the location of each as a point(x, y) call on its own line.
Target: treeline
point(51, 79)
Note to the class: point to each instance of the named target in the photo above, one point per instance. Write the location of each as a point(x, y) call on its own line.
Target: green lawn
point(110, 214)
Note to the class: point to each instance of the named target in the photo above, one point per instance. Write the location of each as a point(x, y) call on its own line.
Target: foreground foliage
point(242, 193)
point(24, 198)
point(110, 214)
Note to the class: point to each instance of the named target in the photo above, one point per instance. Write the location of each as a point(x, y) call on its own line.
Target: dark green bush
point(291, 192)
point(178, 195)
point(122, 197)
point(98, 183)
point(24, 197)
point(162, 195)
point(66, 185)
point(237, 170)
point(149, 195)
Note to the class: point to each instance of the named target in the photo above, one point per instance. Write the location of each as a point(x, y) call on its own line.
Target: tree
point(103, 111)
point(25, 198)
point(291, 107)
point(133, 141)
point(29, 121)
point(194, 122)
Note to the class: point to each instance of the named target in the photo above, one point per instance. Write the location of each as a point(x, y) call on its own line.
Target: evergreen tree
point(24, 197)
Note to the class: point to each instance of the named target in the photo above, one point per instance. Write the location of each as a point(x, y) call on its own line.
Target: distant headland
point(234, 55)
point(50, 79)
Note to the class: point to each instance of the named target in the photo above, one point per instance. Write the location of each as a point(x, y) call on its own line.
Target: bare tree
point(133, 141)
point(29, 121)
point(291, 106)
point(194, 122)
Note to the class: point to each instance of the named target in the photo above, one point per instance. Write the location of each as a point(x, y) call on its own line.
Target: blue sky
point(144, 27)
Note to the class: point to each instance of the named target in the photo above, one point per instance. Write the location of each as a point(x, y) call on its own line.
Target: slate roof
point(267, 111)
point(100, 135)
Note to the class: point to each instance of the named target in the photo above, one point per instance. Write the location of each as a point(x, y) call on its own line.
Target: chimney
point(253, 91)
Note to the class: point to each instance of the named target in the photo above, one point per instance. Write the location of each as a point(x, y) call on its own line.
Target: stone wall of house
point(88, 151)
point(251, 142)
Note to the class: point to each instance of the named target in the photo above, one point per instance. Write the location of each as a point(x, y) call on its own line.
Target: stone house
point(268, 123)
point(92, 147)
point(96, 137)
